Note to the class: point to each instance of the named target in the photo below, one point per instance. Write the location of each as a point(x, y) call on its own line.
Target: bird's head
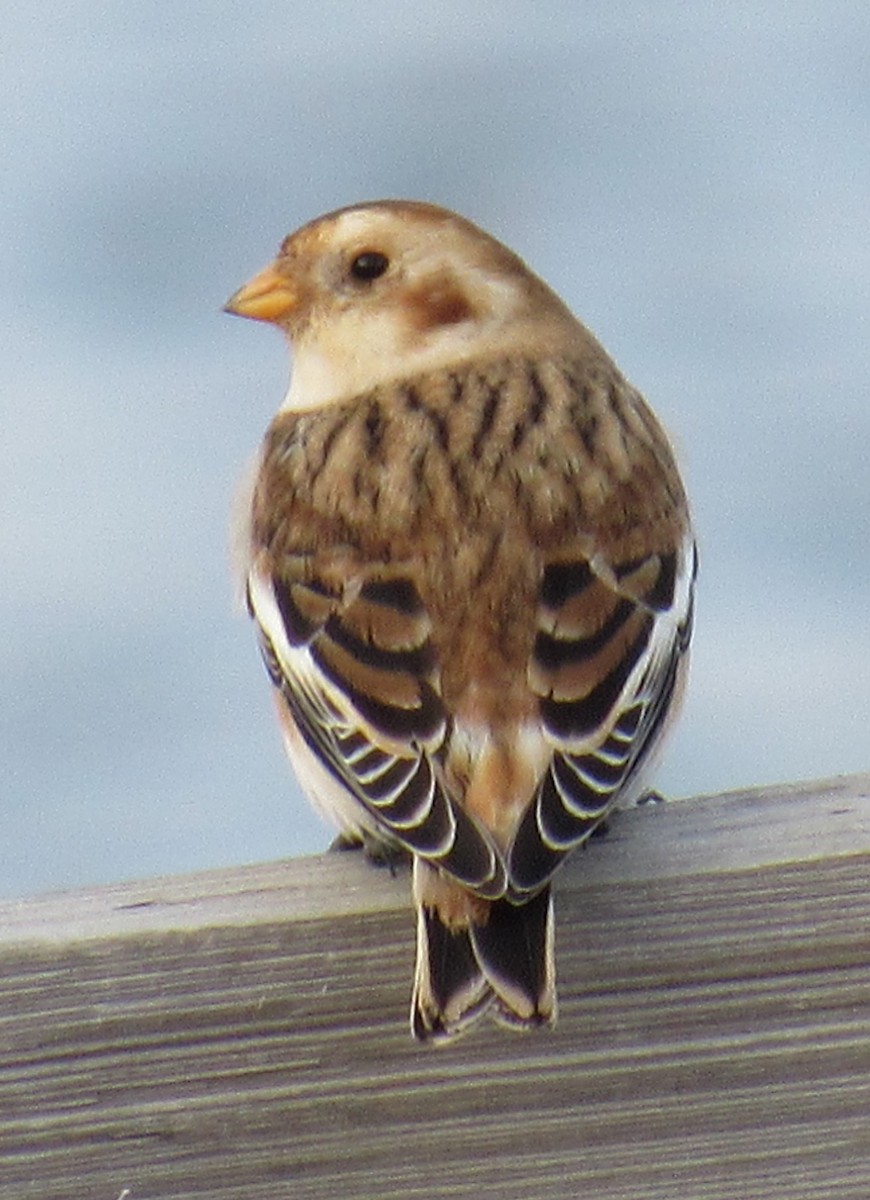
point(390, 289)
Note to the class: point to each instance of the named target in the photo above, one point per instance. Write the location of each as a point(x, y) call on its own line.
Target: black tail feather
point(450, 990)
point(515, 952)
point(507, 959)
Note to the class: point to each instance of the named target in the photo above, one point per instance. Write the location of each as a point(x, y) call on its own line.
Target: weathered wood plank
point(244, 1033)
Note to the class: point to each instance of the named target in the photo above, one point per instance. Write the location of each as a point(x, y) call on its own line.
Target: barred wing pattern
point(606, 666)
point(359, 679)
point(356, 677)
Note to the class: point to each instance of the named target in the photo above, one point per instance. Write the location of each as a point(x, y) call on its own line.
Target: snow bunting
point(470, 562)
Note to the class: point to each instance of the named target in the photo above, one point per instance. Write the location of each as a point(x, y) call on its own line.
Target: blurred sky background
point(693, 178)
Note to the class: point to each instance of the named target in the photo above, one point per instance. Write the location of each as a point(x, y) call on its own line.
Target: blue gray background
point(692, 178)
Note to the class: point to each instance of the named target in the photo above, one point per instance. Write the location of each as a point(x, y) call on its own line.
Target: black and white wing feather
point(607, 665)
point(356, 668)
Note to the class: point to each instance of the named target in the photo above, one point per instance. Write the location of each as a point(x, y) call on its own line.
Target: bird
point(469, 557)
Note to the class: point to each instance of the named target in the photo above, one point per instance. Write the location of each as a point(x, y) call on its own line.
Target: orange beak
point(269, 296)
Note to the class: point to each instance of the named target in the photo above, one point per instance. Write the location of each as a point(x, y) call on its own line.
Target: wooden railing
point(243, 1033)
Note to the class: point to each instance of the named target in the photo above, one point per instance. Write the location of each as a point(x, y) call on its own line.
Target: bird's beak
point(269, 296)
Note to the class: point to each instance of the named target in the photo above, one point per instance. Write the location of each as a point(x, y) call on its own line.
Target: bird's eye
point(369, 265)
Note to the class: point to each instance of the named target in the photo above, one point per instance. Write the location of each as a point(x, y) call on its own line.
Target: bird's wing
point(606, 665)
point(356, 667)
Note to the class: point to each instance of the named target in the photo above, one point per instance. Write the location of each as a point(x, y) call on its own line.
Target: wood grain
point(243, 1033)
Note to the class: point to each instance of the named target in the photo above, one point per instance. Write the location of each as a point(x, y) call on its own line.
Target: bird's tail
point(501, 959)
